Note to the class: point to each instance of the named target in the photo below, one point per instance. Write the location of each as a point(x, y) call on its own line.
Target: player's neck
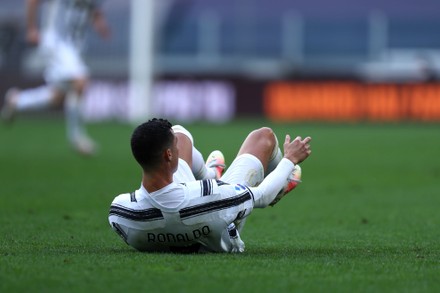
point(153, 181)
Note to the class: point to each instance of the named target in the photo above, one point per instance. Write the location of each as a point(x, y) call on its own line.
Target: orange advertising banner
point(351, 101)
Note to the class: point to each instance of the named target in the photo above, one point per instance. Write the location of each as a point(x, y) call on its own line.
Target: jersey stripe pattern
point(136, 215)
point(206, 187)
point(209, 207)
point(68, 19)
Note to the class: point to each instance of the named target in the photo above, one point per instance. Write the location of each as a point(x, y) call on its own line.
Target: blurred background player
point(60, 39)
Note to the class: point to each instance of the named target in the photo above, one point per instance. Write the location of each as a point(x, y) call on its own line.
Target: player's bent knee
point(79, 85)
point(264, 137)
point(57, 97)
point(182, 130)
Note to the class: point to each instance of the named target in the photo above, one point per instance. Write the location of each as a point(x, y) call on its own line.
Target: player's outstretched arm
point(295, 152)
point(32, 31)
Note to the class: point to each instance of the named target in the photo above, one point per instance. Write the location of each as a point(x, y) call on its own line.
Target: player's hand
point(33, 36)
point(297, 150)
point(103, 30)
point(100, 25)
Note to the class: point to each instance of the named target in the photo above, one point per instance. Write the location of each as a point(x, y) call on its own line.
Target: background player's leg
point(36, 98)
point(75, 129)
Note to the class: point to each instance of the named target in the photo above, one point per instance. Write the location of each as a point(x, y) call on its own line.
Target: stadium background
point(348, 61)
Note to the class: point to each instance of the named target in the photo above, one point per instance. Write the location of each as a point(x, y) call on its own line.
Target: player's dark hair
point(149, 140)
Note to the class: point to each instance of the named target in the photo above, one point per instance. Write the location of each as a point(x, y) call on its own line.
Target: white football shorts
point(63, 61)
point(246, 169)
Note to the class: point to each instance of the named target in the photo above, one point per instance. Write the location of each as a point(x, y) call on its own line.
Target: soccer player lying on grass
point(185, 205)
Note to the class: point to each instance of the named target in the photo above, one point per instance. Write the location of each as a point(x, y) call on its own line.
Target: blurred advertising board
point(181, 100)
point(351, 101)
point(221, 99)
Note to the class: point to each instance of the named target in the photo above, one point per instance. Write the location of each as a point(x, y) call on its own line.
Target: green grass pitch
point(365, 219)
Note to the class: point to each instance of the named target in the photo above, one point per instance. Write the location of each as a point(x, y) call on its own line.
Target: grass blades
point(365, 218)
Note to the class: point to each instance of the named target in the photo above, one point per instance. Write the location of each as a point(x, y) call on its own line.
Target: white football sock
point(199, 168)
point(74, 121)
point(275, 157)
point(34, 99)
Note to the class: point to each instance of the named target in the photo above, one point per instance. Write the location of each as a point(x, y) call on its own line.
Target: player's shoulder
point(203, 187)
point(124, 198)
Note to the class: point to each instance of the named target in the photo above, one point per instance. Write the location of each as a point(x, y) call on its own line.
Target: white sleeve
point(266, 192)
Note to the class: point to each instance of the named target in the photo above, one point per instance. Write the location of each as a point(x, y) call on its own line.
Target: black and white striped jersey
point(193, 216)
point(67, 19)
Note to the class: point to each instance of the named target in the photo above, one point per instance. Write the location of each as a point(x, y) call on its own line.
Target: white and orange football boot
point(216, 160)
point(8, 110)
point(292, 182)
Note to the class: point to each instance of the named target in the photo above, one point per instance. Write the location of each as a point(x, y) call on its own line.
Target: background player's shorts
point(245, 169)
point(183, 173)
point(63, 61)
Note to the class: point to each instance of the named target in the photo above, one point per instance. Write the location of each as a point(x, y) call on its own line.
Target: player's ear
point(168, 155)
